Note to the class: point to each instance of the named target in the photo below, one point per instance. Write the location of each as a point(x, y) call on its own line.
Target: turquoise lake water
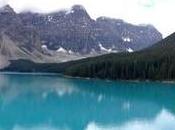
point(41, 102)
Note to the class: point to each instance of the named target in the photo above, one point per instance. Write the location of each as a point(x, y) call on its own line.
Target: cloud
point(3, 2)
point(147, 3)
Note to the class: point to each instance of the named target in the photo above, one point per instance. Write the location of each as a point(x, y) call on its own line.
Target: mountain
point(154, 63)
point(21, 41)
point(67, 35)
point(74, 30)
point(16, 40)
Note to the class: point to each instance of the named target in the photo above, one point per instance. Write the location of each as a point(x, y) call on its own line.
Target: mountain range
point(67, 35)
point(153, 63)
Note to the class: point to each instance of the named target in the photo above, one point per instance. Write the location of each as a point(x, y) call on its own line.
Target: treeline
point(29, 66)
point(155, 63)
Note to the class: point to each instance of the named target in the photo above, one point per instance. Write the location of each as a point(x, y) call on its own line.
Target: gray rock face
point(12, 26)
point(17, 41)
point(75, 30)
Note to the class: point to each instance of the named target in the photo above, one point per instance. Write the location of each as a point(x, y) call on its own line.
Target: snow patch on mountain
point(130, 50)
point(126, 39)
point(44, 47)
point(50, 18)
point(62, 50)
point(110, 50)
point(102, 48)
point(69, 11)
point(70, 52)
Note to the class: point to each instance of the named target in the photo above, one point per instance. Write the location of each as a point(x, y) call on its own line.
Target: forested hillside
point(155, 63)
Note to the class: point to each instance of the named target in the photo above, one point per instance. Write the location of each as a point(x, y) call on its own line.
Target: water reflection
point(29, 102)
point(163, 121)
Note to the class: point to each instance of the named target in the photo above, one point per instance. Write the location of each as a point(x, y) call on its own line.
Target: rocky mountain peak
point(7, 9)
point(79, 11)
point(78, 8)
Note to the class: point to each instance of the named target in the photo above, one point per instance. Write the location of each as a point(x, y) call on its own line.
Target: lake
point(50, 102)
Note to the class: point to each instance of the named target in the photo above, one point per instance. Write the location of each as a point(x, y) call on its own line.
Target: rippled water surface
point(41, 102)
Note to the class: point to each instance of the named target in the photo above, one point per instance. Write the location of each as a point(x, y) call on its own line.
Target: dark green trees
point(155, 63)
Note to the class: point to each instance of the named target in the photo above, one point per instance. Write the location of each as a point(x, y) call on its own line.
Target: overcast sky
point(159, 13)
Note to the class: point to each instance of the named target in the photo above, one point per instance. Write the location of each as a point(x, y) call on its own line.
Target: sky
point(159, 13)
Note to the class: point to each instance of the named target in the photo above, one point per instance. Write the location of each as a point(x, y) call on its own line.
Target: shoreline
point(134, 81)
point(29, 73)
point(84, 78)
